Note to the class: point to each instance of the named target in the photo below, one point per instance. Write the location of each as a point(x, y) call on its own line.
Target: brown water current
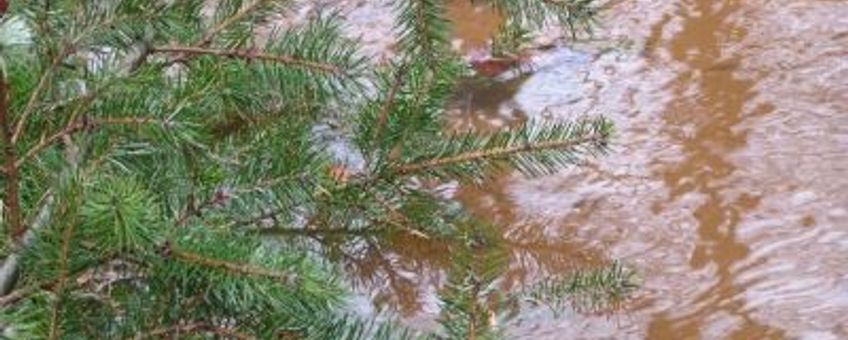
point(727, 188)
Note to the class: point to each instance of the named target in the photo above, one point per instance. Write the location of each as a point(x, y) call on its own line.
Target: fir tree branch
point(386, 108)
point(66, 50)
point(311, 232)
point(232, 267)
point(422, 29)
point(67, 234)
point(258, 218)
point(9, 271)
point(220, 196)
point(22, 293)
point(50, 285)
point(11, 197)
point(33, 97)
point(220, 27)
point(497, 153)
point(405, 220)
point(195, 327)
point(251, 55)
point(207, 37)
point(74, 127)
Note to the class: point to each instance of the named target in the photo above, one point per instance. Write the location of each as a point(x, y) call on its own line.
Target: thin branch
point(51, 284)
point(22, 293)
point(272, 214)
point(67, 234)
point(74, 127)
point(422, 25)
point(473, 156)
point(383, 118)
point(192, 328)
point(405, 221)
point(241, 13)
point(207, 37)
point(219, 197)
point(310, 232)
point(10, 268)
point(11, 198)
point(233, 267)
point(68, 48)
point(251, 55)
point(42, 85)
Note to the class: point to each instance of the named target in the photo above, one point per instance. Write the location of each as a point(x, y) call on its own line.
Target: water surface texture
point(727, 188)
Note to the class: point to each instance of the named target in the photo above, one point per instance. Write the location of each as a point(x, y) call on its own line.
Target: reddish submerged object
point(495, 66)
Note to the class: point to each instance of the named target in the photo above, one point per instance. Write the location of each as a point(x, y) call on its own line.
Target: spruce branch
point(209, 35)
point(235, 268)
point(190, 328)
point(11, 265)
point(574, 15)
point(226, 23)
point(11, 197)
point(313, 232)
point(388, 104)
point(52, 283)
point(33, 97)
point(252, 55)
point(394, 215)
point(494, 154)
point(68, 48)
point(83, 125)
point(22, 293)
point(532, 148)
point(585, 289)
point(423, 29)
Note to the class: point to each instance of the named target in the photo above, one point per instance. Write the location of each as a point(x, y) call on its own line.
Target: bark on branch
point(11, 198)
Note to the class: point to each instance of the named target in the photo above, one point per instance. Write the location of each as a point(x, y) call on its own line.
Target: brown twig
point(250, 55)
point(11, 198)
point(383, 118)
point(472, 156)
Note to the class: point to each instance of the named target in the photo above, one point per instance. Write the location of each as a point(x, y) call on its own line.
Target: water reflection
point(713, 115)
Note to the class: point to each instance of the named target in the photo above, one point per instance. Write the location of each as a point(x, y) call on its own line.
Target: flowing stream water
point(726, 190)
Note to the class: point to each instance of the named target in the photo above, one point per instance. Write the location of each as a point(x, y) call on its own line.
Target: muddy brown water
point(727, 190)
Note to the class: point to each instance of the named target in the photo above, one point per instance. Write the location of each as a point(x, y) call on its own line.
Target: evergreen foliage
point(149, 145)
